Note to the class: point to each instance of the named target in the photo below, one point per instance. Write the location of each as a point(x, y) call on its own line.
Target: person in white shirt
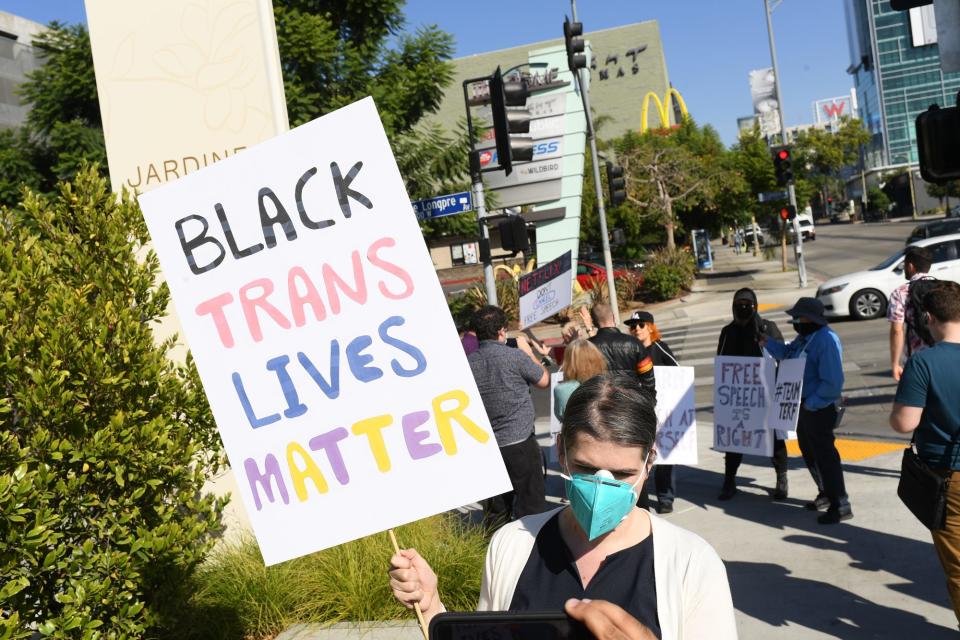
point(601, 546)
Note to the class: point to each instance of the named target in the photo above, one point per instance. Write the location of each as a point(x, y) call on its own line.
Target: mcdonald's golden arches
point(662, 108)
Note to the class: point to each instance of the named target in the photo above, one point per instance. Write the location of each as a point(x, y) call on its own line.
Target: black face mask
point(805, 328)
point(743, 312)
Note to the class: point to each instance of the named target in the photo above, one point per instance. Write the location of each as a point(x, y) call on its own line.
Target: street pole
point(913, 195)
point(797, 239)
point(479, 204)
point(601, 211)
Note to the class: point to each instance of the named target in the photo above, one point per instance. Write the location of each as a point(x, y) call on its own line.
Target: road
point(869, 387)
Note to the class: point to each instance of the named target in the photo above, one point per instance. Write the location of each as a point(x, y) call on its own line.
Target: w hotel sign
point(663, 108)
point(835, 109)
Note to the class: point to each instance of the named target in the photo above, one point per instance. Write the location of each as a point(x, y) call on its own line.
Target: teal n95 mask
point(599, 502)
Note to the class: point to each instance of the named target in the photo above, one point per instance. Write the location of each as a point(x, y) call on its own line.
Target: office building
point(895, 64)
point(17, 58)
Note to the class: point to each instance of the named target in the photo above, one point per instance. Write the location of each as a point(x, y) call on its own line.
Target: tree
point(668, 170)
point(105, 444)
point(820, 155)
point(332, 53)
point(943, 192)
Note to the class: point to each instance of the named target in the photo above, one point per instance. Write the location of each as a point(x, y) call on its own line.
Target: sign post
point(320, 332)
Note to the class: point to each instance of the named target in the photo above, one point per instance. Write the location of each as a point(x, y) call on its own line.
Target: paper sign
point(676, 416)
point(741, 395)
point(546, 291)
point(325, 346)
point(785, 408)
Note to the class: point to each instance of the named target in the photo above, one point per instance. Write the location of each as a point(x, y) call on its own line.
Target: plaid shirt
point(898, 312)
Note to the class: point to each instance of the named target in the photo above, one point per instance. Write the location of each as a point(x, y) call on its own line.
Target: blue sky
point(710, 45)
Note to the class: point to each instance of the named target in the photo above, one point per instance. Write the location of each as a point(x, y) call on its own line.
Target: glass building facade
point(895, 65)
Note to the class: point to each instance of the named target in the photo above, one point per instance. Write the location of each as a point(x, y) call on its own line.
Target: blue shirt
point(930, 381)
point(823, 373)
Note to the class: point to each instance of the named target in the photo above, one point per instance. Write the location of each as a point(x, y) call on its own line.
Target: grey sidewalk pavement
point(875, 576)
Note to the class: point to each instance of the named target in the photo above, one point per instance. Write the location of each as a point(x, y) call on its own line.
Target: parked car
point(748, 236)
point(807, 231)
point(589, 273)
point(864, 294)
point(933, 229)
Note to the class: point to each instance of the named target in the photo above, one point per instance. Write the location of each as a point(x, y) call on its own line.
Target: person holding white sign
point(601, 546)
point(822, 386)
point(742, 338)
point(643, 328)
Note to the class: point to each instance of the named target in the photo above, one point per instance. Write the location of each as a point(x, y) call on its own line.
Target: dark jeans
point(732, 460)
point(815, 436)
point(524, 464)
point(663, 480)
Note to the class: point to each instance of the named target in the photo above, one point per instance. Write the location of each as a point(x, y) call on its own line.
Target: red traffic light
point(783, 154)
point(785, 213)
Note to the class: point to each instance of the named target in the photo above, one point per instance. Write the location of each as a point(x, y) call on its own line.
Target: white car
point(864, 294)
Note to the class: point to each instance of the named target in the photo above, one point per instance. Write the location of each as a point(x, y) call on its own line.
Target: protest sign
point(741, 395)
point(676, 416)
point(785, 408)
point(547, 290)
point(322, 337)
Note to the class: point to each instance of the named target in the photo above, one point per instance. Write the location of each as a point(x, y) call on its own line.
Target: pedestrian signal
point(788, 212)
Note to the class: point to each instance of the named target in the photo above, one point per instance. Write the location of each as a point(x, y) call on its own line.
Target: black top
point(550, 578)
point(740, 340)
point(662, 355)
point(625, 353)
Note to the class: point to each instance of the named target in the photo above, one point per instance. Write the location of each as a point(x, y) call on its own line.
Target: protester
point(623, 352)
point(822, 385)
point(600, 547)
point(742, 338)
point(643, 328)
point(581, 361)
point(916, 264)
point(926, 405)
point(502, 375)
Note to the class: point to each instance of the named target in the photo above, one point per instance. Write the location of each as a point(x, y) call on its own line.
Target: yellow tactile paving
point(854, 450)
point(769, 306)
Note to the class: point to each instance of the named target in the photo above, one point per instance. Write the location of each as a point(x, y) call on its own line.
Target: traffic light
point(572, 32)
point(513, 235)
point(938, 143)
point(783, 165)
point(788, 212)
point(511, 94)
point(616, 184)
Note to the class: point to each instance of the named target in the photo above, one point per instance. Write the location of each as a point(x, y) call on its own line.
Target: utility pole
point(601, 211)
point(797, 238)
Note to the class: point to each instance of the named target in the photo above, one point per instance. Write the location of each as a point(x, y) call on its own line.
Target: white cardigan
point(693, 595)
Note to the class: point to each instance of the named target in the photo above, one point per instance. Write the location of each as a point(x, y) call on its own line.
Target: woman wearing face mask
point(644, 329)
point(742, 337)
point(601, 546)
point(822, 387)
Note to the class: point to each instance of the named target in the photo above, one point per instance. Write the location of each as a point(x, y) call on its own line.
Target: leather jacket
point(625, 353)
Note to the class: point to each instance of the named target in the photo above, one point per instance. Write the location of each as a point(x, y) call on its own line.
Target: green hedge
point(667, 273)
point(104, 443)
point(236, 597)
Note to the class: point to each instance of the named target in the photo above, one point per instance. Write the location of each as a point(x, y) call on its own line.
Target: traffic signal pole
point(479, 205)
point(797, 237)
point(601, 211)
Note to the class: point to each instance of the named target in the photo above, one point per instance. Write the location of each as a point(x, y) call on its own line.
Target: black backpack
point(916, 316)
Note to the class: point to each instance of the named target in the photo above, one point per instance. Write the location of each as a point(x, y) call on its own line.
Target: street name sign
point(440, 206)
